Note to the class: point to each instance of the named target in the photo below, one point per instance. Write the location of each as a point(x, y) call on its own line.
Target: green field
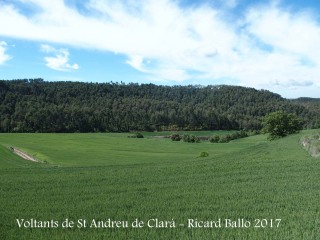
point(110, 176)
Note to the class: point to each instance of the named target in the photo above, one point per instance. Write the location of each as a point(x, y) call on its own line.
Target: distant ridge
point(306, 99)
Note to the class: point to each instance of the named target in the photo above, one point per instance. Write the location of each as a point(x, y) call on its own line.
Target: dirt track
point(23, 154)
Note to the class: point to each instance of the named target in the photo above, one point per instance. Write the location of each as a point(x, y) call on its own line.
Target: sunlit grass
point(112, 176)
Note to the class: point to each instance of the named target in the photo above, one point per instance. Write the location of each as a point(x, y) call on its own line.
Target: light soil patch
point(23, 154)
point(312, 144)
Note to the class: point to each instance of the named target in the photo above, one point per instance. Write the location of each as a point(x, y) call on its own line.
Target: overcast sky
point(272, 45)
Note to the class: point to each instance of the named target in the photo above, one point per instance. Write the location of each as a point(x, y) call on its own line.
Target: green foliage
point(138, 135)
point(191, 138)
point(175, 137)
point(35, 105)
point(181, 133)
point(254, 132)
point(214, 139)
point(228, 137)
point(204, 154)
point(312, 105)
point(224, 139)
point(240, 134)
point(280, 124)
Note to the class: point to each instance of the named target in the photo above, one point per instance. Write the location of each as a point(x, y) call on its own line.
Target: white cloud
point(60, 59)
point(3, 56)
point(293, 38)
point(267, 47)
point(47, 48)
point(136, 62)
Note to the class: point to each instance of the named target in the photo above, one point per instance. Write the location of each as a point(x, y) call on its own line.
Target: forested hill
point(35, 105)
point(312, 104)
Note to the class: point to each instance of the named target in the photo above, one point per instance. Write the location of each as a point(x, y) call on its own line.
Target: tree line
point(35, 105)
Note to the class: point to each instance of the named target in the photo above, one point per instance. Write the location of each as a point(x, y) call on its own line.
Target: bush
point(204, 154)
point(224, 139)
point(139, 135)
point(244, 134)
point(234, 136)
point(191, 139)
point(175, 137)
point(136, 135)
point(228, 137)
point(240, 134)
point(215, 139)
point(253, 133)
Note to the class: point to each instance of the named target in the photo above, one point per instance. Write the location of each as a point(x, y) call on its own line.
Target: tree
point(34, 105)
point(280, 124)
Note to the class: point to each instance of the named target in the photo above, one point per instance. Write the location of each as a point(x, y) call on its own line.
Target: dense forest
point(312, 104)
point(34, 105)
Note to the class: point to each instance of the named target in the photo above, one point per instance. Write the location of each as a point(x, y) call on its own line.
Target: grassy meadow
point(101, 176)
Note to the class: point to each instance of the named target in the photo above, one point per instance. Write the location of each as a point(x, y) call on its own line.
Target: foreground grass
point(156, 178)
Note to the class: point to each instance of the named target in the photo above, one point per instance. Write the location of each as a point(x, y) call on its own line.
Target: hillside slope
point(251, 178)
point(38, 106)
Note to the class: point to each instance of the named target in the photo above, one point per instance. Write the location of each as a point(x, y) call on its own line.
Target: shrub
point(139, 135)
point(224, 139)
point(136, 135)
point(215, 139)
point(235, 135)
point(242, 134)
point(175, 137)
point(191, 139)
point(253, 133)
point(228, 137)
point(204, 154)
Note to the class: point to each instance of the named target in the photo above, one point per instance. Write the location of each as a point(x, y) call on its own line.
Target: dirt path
point(23, 154)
